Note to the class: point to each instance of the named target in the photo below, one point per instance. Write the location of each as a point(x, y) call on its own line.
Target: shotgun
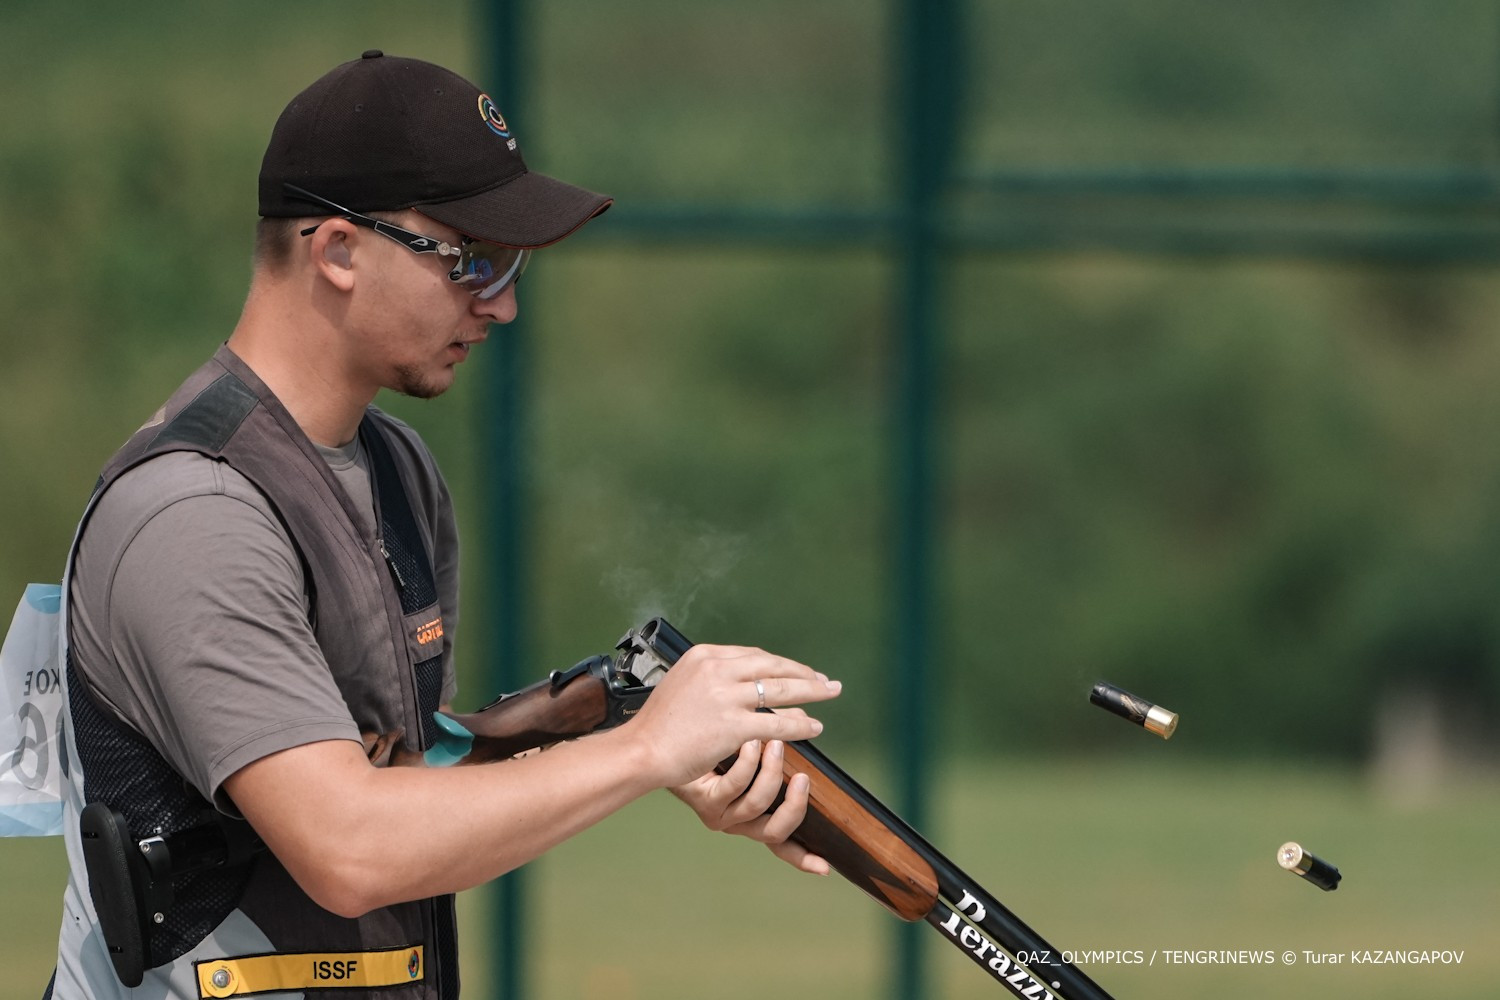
point(861, 838)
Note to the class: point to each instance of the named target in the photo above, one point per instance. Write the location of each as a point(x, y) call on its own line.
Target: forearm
point(357, 837)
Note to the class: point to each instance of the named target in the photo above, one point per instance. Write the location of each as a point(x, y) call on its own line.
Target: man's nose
point(501, 308)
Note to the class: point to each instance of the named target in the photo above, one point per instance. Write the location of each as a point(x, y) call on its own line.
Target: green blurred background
point(1225, 442)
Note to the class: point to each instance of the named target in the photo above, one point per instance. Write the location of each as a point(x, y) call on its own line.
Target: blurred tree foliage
point(1255, 490)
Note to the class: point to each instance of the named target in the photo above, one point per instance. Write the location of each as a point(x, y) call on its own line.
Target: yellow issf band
point(324, 970)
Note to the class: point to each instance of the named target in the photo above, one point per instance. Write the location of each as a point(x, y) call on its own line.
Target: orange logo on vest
point(429, 632)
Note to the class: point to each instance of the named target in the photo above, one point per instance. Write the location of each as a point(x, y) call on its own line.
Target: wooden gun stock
point(597, 693)
point(547, 712)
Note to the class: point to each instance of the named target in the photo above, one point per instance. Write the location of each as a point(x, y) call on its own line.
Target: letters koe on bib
point(30, 716)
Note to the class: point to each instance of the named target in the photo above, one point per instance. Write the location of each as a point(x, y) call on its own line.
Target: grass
point(1096, 855)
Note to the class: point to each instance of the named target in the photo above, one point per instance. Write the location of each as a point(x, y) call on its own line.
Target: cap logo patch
point(492, 116)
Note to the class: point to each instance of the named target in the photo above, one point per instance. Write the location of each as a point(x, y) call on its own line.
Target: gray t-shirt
point(187, 580)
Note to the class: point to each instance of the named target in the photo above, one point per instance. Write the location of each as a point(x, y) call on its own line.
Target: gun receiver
point(593, 694)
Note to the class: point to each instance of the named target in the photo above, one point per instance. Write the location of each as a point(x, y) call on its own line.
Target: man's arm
point(357, 837)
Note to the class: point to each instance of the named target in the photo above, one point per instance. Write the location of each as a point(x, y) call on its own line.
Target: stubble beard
point(410, 381)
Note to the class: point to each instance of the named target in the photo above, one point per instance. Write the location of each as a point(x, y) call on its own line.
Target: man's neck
point(304, 370)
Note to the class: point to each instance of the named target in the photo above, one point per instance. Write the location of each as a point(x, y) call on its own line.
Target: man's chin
point(421, 385)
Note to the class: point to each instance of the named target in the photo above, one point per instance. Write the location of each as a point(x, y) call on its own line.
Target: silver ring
point(760, 695)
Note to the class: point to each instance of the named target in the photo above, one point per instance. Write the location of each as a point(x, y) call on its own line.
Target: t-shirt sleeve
point(208, 621)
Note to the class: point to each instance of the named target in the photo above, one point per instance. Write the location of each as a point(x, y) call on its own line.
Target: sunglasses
point(484, 269)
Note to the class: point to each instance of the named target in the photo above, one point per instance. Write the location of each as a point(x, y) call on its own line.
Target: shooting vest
point(250, 928)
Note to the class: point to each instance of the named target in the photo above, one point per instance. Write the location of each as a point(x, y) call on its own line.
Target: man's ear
point(336, 251)
point(330, 252)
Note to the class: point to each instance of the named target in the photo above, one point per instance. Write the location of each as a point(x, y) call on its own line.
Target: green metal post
point(503, 432)
point(926, 109)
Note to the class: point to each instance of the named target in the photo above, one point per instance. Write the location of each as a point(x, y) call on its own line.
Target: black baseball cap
point(384, 133)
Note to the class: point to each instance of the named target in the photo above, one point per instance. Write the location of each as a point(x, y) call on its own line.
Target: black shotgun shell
point(1314, 869)
point(1138, 710)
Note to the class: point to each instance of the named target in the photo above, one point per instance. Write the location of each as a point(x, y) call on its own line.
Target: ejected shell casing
point(1138, 710)
point(1320, 873)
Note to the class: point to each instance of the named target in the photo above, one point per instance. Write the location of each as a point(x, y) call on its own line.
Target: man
point(264, 587)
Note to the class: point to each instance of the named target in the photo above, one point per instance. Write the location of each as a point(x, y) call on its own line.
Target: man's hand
point(706, 708)
point(736, 802)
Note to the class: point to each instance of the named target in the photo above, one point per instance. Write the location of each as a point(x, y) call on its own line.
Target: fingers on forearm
point(783, 822)
point(735, 780)
point(761, 794)
point(800, 858)
point(719, 805)
point(743, 811)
